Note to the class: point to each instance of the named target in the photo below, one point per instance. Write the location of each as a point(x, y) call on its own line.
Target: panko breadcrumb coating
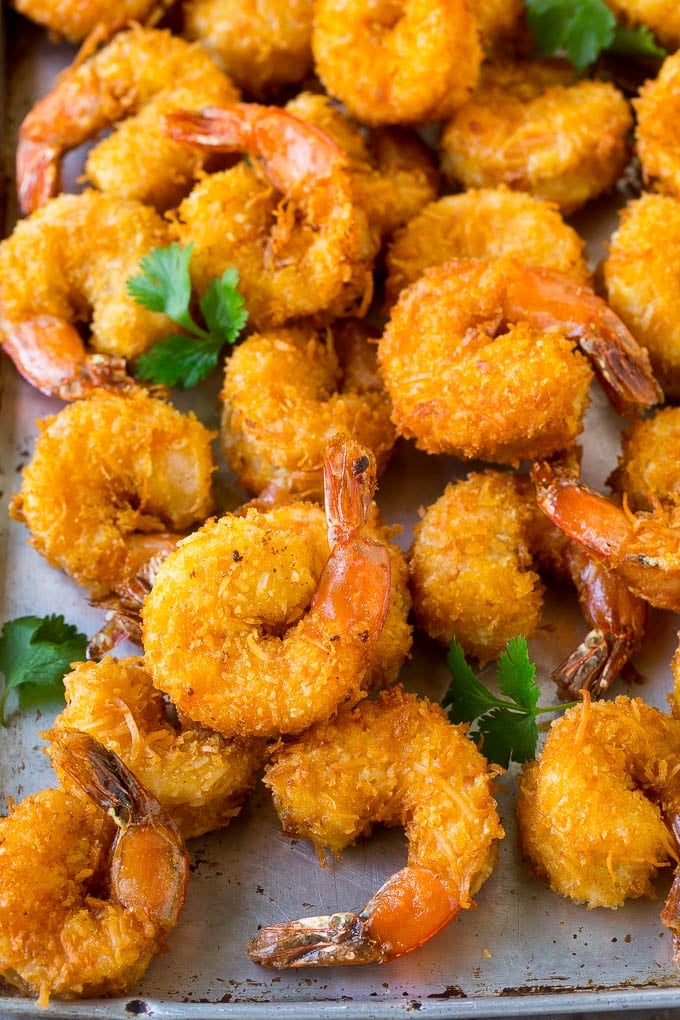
point(648, 471)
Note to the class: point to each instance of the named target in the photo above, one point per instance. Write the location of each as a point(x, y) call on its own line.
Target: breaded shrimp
point(67, 265)
point(287, 392)
point(479, 359)
point(251, 628)
point(76, 19)
point(662, 17)
point(643, 282)
point(484, 223)
point(395, 761)
point(113, 479)
point(200, 779)
point(397, 61)
point(130, 83)
point(291, 226)
point(85, 906)
point(598, 811)
point(394, 174)
point(263, 44)
point(648, 472)
point(532, 127)
point(500, 22)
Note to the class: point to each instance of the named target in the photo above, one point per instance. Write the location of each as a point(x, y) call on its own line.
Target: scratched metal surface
point(524, 951)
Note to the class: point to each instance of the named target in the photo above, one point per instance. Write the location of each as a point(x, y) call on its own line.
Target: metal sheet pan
point(523, 951)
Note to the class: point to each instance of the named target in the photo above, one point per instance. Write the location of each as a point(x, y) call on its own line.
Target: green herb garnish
point(506, 726)
point(35, 656)
point(164, 285)
point(582, 29)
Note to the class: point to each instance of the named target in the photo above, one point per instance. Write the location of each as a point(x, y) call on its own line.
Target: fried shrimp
point(287, 392)
point(198, 778)
point(656, 136)
point(287, 220)
point(76, 19)
point(479, 360)
point(397, 61)
point(67, 265)
point(641, 277)
point(395, 761)
point(252, 628)
point(648, 471)
point(598, 812)
point(85, 906)
point(130, 83)
point(484, 223)
point(113, 479)
point(394, 174)
point(263, 44)
point(534, 128)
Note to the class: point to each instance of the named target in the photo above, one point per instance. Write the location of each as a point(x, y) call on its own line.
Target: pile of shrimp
point(396, 185)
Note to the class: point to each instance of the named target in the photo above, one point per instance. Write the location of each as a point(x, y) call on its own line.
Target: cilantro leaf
point(506, 726)
point(638, 42)
point(164, 285)
point(35, 655)
point(582, 29)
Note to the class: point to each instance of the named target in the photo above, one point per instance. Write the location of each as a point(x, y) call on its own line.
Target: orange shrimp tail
point(37, 173)
point(349, 475)
point(410, 908)
point(670, 916)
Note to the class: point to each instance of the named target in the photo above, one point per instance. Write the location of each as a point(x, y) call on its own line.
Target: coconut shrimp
point(87, 903)
point(642, 279)
point(500, 22)
point(67, 265)
point(657, 107)
point(397, 61)
point(198, 778)
point(395, 761)
point(287, 220)
point(75, 19)
point(598, 812)
point(484, 223)
point(643, 549)
point(263, 45)
point(287, 392)
point(648, 472)
point(394, 174)
point(251, 628)
point(113, 482)
point(130, 82)
point(534, 128)
point(474, 570)
point(479, 359)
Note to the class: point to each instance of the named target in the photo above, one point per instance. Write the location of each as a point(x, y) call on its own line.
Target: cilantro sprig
point(35, 656)
point(164, 285)
point(582, 29)
point(507, 727)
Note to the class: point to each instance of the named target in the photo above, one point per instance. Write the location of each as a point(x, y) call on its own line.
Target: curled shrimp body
point(85, 905)
point(75, 19)
point(129, 83)
point(532, 127)
point(287, 392)
point(113, 479)
point(648, 472)
point(479, 359)
point(198, 778)
point(643, 549)
point(484, 223)
point(641, 279)
point(394, 174)
point(300, 242)
point(598, 811)
point(404, 62)
point(263, 45)
point(66, 265)
point(252, 628)
point(394, 761)
point(657, 107)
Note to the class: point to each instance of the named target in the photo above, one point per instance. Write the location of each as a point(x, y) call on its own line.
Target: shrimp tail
point(595, 664)
point(37, 173)
point(670, 916)
point(320, 941)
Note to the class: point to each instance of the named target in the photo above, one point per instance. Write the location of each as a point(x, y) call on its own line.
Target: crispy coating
point(484, 223)
point(288, 391)
point(456, 388)
point(642, 280)
point(397, 61)
point(394, 761)
point(394, 173)
point(500, 22)
point(661, 16)
point(471, 567)
point(110, 470)
point(129, 84)
point(220, 632)
point(648, 471)
point(591, 809)
point(199, 778)
point(263, 44)
point(75, 19)
point(657, 139)
point(533, 128)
